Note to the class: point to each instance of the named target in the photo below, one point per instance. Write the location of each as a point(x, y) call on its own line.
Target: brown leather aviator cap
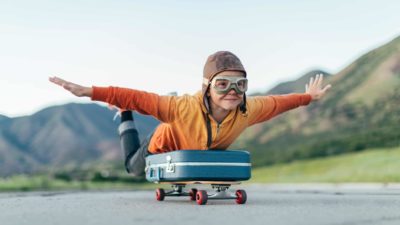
point(219, 62)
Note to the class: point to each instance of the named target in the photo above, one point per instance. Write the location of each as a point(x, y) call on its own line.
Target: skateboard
point(201, 196)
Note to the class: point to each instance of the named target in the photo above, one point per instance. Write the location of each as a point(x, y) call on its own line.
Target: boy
point(210, 119)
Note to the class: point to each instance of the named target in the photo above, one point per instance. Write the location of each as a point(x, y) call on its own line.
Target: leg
point(137, 162)
point(129, 137)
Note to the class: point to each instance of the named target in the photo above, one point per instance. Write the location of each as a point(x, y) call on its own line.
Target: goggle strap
point(206, 82)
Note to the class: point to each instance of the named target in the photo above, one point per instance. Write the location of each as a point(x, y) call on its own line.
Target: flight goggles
point(223, 84)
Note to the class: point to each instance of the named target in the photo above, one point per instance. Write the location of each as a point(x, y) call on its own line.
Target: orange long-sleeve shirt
point(184, 117)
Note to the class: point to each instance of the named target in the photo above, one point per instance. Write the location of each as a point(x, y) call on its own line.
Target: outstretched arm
point(314, 87)
point(75, 89)
point(161, 107)
point(263, 108)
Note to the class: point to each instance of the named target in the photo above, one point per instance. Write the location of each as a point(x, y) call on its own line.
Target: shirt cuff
point(306, 99)
point(100, 93)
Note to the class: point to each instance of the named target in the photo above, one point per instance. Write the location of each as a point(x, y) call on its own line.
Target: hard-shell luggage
point(199, 165)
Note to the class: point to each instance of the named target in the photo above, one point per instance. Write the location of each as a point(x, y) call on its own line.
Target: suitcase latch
point(170, 166)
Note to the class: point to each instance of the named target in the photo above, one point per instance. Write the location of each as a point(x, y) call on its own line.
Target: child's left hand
point(314, 87)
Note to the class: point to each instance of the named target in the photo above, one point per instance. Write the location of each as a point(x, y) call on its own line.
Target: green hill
point(360, 112)
point(376, 165)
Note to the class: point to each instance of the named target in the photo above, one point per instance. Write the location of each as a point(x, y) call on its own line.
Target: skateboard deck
point(199, 182)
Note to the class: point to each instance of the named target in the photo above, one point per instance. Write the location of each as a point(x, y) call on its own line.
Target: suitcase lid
point(200, 156)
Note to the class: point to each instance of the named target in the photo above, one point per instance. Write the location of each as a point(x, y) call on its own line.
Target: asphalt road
point(267, 204)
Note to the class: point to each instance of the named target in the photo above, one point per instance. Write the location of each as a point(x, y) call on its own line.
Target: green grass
point(47, 183)
point(375, 165)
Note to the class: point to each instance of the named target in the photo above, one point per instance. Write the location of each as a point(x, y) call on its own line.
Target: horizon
point(162, 48)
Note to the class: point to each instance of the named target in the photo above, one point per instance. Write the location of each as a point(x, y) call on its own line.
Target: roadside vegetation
point(375, 165)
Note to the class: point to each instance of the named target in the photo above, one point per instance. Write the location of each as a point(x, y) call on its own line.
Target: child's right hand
point(314, 87)
point(75, 89)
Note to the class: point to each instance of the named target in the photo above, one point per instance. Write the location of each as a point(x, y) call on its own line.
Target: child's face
point(230, 100)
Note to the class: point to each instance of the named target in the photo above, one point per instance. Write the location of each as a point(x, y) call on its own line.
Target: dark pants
point(134, 152)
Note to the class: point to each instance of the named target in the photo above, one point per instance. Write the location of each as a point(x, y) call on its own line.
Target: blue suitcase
point(198, 165)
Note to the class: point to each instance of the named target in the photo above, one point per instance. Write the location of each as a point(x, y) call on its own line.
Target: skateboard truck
point(201, 196)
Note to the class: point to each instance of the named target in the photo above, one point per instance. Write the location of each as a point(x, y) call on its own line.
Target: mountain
point(4, 118)
point(359, 112)
point(61, 135)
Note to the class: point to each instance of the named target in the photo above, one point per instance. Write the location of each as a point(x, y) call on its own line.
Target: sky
point(161, 46)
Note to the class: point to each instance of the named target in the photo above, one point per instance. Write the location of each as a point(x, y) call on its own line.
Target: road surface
point(267, 204)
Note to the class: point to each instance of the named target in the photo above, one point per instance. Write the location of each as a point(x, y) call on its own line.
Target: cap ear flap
point(243, 107)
